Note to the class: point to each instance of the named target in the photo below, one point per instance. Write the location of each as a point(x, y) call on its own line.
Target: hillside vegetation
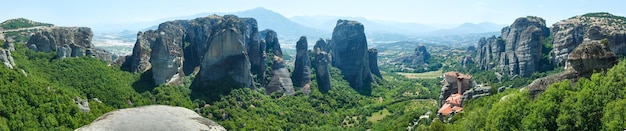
point(43, 98)
point(590, 104)
point(21, 23)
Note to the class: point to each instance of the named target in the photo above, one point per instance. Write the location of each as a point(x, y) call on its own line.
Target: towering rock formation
point(420, 57)
point(592, 55)
point(226, 58)
point(271, 42)
point(256, 51)
point(67, 42)
point(349, 50)
point(153, 117)
point(139, 61)
point(206, 46)
point(568, 34)
point(281, 81)
point(166, 57)
point(302, 68)
point(280, 76)
point(489, 50)
point(322, 59)
point(518, 50)
point(373, 62)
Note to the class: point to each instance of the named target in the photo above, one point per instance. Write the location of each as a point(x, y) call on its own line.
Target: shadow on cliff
point(145, 82)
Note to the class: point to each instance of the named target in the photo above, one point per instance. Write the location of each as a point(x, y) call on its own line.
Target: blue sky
point(103, 12)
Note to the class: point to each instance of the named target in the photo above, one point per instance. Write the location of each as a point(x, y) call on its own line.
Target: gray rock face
point(590, 56)
point(349, 50)
point(373, 62)
point(467, 60)
point(66, 41)
point(150, 118)
point(256, 51)
point(83, 104)
point(322, 60)
point(570, 33)
point(166, 57)
point(476, 92)
point(302, 68)
point(6, 58)
point(9, 45)
point(518, 50)
point(225, 59)
point(139, 61)
point(179, 48)
point(420, 56)
point(271, 42)
point(489, 50)
point(281, 79)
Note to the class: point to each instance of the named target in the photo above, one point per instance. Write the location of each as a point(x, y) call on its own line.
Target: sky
point(433, 12)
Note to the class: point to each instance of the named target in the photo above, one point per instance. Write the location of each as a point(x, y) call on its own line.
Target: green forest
point(596, 103)
point(42, 98)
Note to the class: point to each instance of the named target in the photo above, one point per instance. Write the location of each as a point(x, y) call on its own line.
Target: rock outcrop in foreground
point(518, 49)
point(67, 42)
point(568, 34)
point(350, 54)
point(591, 55)
point(151, 118)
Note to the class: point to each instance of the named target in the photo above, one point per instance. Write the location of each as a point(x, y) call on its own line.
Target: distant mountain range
point(327, 23)
point(315, 27)
point(471, 28)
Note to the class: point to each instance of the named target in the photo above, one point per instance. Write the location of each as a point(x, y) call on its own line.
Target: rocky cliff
point(226, 56)
point(6, 58)
point(349, 50)
point(154, 117)
point(419, 57)
point(373, 62)
point(198, 46)
point(302, 68)
point(591, 55)
point(139, 61)
point(518, 50)
point(322, 59)
point(280, 78)
point(569, 33)
point(166, 57)
point(67, 42)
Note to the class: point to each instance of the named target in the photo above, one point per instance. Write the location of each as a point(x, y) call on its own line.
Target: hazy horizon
point(114, 13)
